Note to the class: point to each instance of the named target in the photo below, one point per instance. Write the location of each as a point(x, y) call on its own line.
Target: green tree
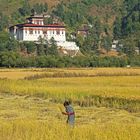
point(48, 20)
point(3, 22)
point(41, 46)
point(8, 58)
point(39, 8)
point(117, 28)
point(80, 40)
point(59, 11)
point(25, 9)
point(96, 31)
point(45, 7)
point(31, 47)
point(139, 46)
point(12, 44)
point(129, 47)
point(107, 43)
point(4, 36)
point(52, 48)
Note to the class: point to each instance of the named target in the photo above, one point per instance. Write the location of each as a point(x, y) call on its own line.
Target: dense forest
point(106, 20)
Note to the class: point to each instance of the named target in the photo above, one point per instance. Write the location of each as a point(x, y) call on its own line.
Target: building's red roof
point(38, 25)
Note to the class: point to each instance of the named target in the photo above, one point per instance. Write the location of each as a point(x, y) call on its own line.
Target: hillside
point(104, 22)
point(106, 10)
point(9, 6)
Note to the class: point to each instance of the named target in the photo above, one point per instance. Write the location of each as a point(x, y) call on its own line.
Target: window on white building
point(44, 32)
point(30, 31)
point(58, 32)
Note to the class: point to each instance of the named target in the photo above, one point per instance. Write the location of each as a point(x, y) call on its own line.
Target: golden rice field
point(106, 102)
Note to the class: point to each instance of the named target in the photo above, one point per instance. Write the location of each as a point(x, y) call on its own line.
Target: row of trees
point(13, 59)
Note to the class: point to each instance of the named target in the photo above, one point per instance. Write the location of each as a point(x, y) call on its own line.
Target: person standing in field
point(69, 112)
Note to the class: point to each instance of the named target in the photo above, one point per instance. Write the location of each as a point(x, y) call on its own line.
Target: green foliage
point(45, 7)
point(107, 43)
point(8, 59)
point(96, 2)
point(31, 47)
point(117, 28)
point(39, 8)
point(3, 40)
point(8, 42)
point(52, 48)
point(41, 46)
point(48, 20)
point(12, 59)
point(3, 21)
point(129, 47)
point(80, 41)
point(25, 9)
point(71, 14)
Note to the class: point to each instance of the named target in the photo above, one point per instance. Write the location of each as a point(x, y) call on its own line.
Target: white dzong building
point(35, 28)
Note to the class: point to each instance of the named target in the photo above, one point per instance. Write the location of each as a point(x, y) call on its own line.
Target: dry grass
point(29, 109)
point(90, 72)
point(122, 86)
point(28, 118)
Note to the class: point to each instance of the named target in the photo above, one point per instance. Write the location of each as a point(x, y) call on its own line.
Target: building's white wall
point(49, 34)
point(32, 37)
point(57, 37)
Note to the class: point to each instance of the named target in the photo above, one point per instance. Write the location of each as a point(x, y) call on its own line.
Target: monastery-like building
point(35, 28)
